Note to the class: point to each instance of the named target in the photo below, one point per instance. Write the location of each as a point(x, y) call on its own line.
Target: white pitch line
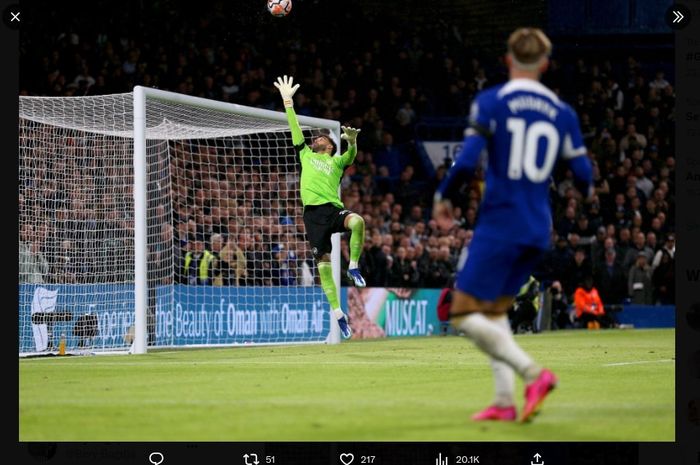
point(666, 360)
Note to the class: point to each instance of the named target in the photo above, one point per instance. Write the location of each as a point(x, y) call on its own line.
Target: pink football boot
point(494, 412)
point(536, 391)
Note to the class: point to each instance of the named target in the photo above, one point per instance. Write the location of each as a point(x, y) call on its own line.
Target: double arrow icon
point(255, 459)
point(678, 16)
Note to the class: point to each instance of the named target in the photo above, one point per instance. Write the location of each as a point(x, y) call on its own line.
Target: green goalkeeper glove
point(350, 134)
point(284, 85)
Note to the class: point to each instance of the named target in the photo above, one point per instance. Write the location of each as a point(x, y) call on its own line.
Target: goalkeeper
point(324, 213)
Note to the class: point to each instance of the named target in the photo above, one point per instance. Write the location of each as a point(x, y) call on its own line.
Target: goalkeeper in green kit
point(324, 213)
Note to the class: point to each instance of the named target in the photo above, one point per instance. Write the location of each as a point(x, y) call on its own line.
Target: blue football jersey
point(527, 128)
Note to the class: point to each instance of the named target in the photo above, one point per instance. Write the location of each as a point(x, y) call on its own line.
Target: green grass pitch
point(615, 385)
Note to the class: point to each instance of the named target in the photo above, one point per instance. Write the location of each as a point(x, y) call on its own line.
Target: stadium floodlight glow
point(103, 179)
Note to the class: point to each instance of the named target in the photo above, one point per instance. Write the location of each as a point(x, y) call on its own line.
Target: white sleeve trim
point(576, 153)
point(568, 150)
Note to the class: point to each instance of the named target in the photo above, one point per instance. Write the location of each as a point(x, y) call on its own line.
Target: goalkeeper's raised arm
point(350, 135)
point(287, 90)
point(321, 144)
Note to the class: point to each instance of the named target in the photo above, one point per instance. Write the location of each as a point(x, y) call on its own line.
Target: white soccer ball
point(279, 8)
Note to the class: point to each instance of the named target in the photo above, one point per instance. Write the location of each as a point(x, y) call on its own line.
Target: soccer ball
point(279, 8)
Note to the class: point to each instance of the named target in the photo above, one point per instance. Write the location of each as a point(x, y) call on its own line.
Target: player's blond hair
point(527, 46)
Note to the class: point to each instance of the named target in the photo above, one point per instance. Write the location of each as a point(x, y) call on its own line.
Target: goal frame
point(141, 96)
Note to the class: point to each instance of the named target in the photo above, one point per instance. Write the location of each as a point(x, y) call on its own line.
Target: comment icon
point(156, 458)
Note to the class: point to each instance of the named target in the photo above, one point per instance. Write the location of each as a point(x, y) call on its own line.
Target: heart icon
point(347, 458)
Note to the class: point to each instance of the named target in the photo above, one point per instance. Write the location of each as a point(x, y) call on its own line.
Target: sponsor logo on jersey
point(321, 166)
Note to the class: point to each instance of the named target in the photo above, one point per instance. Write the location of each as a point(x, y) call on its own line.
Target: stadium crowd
point(241, 223)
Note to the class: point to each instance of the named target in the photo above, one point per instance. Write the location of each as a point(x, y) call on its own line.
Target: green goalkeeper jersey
point(320, 173)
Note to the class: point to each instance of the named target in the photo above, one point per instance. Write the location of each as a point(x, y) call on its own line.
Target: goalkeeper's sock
point(325, 271)
point(338, 313)
point(495, 338)
point(356, 224)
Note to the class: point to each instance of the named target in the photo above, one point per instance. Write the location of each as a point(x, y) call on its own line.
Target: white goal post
point(156, 219)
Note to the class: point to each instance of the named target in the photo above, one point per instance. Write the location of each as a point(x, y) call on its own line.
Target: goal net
point(154, 219)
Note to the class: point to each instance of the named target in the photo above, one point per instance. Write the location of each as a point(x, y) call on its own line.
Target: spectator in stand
point(595, 219)
point(578, 269)
point(218, 271)
point(407, 192)
point(388, 155)
point(663, 280)
point(566, 184)
point(584, 230)
point(652, 242)
point(283, 267)
point(404, 271)
point(632, 140)
point(624, 243)
point(384, 181)
point(32, 264)
point(306, 268)
point(422, 258)
point(376, 260)
point(559, 259)
point(656, 225)
point(611, 279)
point(643, 183)
point(164, 253)
point(567, 224)
point(415, 216)
point(669, 249)
point(66, 268)
point(234, 262)
point(640, 290)
point(659, 83)
point(597, 249)
point(638, 247)
point(601, 186)
point(440, 268)
point(617, 131)
point(617, 214)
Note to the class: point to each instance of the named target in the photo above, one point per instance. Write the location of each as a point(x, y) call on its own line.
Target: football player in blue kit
point(524, 128)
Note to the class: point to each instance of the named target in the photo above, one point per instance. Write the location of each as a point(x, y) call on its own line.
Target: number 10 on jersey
point(525, 146)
